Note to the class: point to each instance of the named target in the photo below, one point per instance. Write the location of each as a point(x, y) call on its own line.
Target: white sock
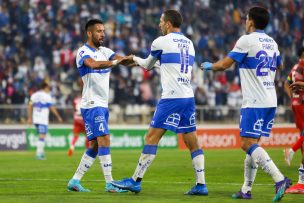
point(198, 165)
point(261, 157)
point(106, 165)
point(144, 162)
point(250, 170)
point(301, 174)
point(40, 147)
point(84, 165)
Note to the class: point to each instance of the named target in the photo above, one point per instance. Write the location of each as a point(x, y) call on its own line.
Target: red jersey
point(77, 112)
point(297, 75)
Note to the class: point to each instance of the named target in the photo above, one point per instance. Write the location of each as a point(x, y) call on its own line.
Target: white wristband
point(114, 62)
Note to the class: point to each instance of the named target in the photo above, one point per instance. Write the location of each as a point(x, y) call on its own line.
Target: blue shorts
point(177, 115)
point(256, 122)
point(41, 129)
point(96, 122)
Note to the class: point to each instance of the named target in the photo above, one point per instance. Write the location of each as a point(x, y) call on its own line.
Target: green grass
point(24, 179)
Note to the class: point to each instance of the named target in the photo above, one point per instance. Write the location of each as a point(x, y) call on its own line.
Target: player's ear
point(89, 33)
point(251, 23)
point(168, 24)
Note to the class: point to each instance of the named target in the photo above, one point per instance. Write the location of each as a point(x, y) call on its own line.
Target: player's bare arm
point(287, 89)
point(220, 65)
point(89, 62)
point(29, 113)
point(55, 112)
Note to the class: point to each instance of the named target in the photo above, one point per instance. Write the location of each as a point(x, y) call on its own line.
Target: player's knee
point(103, 141)
point(151, 139)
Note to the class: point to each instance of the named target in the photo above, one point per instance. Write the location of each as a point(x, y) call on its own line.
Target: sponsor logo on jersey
point(99, 119)
point(181, 41)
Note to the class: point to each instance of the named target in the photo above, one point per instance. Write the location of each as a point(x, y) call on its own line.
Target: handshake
point(126, 61)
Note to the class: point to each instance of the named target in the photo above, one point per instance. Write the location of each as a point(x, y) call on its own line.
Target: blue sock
point(91, 153)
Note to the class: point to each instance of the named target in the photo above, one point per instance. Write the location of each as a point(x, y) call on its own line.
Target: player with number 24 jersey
point(258, 57)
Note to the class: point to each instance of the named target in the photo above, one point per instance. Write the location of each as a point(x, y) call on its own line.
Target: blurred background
point(39, 39)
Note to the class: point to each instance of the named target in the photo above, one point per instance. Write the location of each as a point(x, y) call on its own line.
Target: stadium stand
point(38, 39)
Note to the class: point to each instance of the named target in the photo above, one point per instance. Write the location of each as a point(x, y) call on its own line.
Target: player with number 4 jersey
point(257, 57)
point(94, 63)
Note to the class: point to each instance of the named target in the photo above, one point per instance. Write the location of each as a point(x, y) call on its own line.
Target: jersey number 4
point(266, 62)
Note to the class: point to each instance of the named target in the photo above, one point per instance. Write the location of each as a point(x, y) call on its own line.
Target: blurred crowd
point(39, 39)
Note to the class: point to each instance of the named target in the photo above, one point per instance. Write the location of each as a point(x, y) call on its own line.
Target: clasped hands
point(127, 61)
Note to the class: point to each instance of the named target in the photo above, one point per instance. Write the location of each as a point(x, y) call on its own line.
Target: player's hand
point(206, 66)
point(127, 60)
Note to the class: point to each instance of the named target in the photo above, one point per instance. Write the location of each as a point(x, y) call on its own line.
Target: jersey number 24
point(265, 62)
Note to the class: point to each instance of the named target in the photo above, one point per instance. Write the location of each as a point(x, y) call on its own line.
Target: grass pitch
point(24, 179)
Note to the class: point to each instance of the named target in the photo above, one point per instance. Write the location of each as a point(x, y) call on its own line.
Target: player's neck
point(91, 44)
point(253, 29)
point(171, 30)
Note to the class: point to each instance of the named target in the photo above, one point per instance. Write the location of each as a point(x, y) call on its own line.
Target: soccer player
point(296, 104)
point(94, 62)
point(78, 125)
point(38, 113)
point(176, 109)
point(258, 57)
point(296, 93)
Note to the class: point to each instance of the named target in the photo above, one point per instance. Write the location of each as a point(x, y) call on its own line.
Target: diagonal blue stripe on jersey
point(175, 58)
point(83, 70)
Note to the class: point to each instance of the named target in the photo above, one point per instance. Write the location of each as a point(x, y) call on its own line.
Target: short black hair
point(92, 22)
point(260, 17)
point(174, 17)
point(300, 52)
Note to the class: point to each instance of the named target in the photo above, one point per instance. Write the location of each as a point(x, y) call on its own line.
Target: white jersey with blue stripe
point(41, 102)
point(258, 57)
point(95, 82)
point(176, 55)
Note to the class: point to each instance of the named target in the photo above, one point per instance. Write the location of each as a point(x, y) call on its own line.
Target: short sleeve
point(156, 48)
point(240, 50)
point(32, 98)
point(279, 58)
point(109, 53)
point(82, 54)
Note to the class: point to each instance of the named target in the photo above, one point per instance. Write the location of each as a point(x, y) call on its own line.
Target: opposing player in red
point(294, 86)
point(78, 126)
